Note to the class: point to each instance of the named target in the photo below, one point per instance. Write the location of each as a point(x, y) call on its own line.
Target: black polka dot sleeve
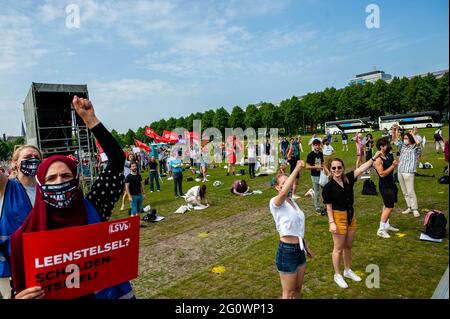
point(109, 185)
point(106, 192)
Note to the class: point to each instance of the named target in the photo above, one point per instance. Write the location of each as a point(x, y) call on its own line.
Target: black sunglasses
point(336, 167)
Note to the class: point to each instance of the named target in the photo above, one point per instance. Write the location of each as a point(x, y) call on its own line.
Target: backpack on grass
point(435, 224)
point(369, 188)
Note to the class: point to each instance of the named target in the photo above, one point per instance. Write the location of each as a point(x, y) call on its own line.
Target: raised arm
point(378, 165)
point(283, 194)
point(367, 165)
point(108, 187)
point(395, 133)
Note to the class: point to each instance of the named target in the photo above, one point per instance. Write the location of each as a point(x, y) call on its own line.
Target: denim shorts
point(289, 258)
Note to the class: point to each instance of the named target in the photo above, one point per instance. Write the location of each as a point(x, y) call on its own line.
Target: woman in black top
point(338, 198)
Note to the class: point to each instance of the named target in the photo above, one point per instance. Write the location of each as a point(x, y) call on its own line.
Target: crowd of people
point(38, 194)
point(337, 194)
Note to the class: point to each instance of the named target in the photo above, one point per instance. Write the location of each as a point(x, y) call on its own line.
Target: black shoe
point(323, 212)
point(228, 174)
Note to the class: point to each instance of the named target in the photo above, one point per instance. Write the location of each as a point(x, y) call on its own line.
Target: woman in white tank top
point(290, 223)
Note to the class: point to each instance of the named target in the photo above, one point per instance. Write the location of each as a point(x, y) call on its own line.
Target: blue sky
point(147, 60)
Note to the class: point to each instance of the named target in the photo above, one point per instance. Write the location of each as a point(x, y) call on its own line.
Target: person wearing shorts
point(290, 223)
point(344, 141)
point(338, 197)
point(385, 165)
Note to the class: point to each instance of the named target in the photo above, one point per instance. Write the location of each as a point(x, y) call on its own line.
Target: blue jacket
point(16, 207)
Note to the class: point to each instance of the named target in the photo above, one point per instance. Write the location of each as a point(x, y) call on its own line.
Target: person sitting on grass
point(196, 196)
point(240, 187)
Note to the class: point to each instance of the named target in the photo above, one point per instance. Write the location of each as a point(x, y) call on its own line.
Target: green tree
point(207, 119)
point(252, 117)
point(129, 137)
point(221, 119)
point(380, 101)
point(442, 99)
point(181, 123)
point(118, 138)
point(5, 152)
point(237, 118)
point(171, 124)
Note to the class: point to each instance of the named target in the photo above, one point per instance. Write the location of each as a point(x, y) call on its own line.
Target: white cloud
point(19, 47)
point(279, 39)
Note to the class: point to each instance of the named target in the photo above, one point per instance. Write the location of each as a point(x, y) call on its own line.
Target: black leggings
point(251, 169)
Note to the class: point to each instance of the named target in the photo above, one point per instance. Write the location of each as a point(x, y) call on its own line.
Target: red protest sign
point(73, 262)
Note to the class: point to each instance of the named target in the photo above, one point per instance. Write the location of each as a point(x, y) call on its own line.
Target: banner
point(170, 137)
point(76, 261)
point(150, 132)
point(144, 146)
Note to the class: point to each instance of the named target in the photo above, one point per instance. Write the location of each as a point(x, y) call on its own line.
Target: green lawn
point(177, 255)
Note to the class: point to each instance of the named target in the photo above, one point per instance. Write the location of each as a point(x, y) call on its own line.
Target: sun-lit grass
point(177, 255)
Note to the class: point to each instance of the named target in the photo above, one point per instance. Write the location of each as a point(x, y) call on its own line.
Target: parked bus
point(408, 121)
point(349, 126)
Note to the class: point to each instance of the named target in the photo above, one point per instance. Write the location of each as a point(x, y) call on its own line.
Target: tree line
point(297, 115)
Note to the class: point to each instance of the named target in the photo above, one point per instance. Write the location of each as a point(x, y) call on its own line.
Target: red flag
point(150, 132)
point(100, 149)
point(170, 137)
point(139, 144)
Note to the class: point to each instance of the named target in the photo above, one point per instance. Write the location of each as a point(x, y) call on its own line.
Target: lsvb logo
point(119, 226)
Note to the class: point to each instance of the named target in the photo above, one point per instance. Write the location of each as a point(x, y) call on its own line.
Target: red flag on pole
point(144, 146)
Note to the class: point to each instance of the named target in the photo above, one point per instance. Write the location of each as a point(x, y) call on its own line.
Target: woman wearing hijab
point(60, 203)
point(16, 201)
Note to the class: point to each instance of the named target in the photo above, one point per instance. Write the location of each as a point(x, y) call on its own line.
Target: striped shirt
point(409, 157)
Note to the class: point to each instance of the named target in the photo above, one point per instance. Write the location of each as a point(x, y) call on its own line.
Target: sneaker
point(383, 234)
point(339, 280)
point(170, 178)
point(295, 196)
point(323, 212)
point(318, 212)
point(350, 274)
point(391, 228)
point(407, 211)
point(416, 213)
point(151, 191)
point(122, 207)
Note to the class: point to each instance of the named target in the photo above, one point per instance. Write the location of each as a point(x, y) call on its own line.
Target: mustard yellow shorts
point(340, 218)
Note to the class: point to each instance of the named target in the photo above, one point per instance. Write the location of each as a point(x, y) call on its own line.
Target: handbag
point(323, 180)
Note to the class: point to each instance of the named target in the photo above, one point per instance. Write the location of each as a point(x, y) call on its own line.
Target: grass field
point(178, 254)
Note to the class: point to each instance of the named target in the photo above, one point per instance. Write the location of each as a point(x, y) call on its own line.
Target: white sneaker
point(350, 274)
point(416, 213)
point(391, 228)
point(170, 178)
point(406, 211)
point(383, 233)
point(339, 280)
point(295, 197)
